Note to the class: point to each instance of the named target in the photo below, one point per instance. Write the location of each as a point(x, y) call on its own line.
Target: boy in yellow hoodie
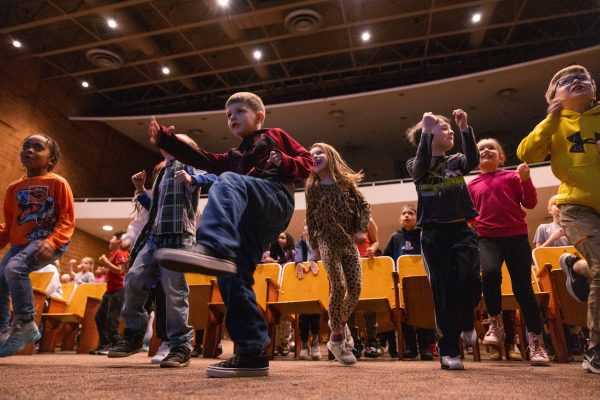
point(571, 134)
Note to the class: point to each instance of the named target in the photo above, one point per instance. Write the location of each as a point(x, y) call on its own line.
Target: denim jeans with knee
point(242, 217)
point(14, 282)
point(139, 281)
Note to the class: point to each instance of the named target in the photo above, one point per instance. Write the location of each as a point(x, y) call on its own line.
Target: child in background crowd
point(448, 244)
point(84, 274)
point(38, 223)
point(337, 217)
point(407, 240)
point(107, 316)
point(551, 234)
point(571, 134)
point(305, 263)
point(499, 196)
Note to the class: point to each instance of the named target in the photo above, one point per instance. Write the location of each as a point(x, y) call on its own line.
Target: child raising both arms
point(337, 217)
point(448, 244)
point(498, 196)
point(39, 221)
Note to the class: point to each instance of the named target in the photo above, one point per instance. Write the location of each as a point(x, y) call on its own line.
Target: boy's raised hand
point(275, 158)
point(523, 171)
point(428, 122)
point(154, 130)
point(555, 107)
point(460, 117)
point(183, 176)
point(138, 180)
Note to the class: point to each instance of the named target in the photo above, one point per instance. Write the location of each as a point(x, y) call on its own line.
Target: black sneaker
point(426, 354)
point(197, 259)
point(409, 354)
point(371, 352)
point(197, 351)
point(591, 360)
point(236, 366)
point(577, 285)
point(177, 358)
point(130, 344)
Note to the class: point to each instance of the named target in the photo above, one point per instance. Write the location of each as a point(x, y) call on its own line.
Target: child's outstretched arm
point(418, 166)
point(469, 145)
point(164, 137)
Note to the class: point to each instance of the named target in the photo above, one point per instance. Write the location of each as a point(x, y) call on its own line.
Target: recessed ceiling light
point(223, 3)
point(365, 36)
point(476, 18)
point(257, 54)
point(16, 43)
point(166, 70)
point(85, 84)
point(107, 228)
point(112, 23)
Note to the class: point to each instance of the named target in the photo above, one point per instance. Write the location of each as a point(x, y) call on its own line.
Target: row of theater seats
point(396, 291)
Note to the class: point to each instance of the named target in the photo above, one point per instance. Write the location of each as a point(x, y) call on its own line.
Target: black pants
point(421, 336)
point(107, 317)
point(312, 323)
point(516, 252)
point(451, 258)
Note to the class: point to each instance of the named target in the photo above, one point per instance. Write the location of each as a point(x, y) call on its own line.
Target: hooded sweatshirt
point(571, 140)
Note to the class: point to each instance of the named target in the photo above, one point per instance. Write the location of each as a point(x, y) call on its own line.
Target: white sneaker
point(495, 335)
point(341, 353)
point(452, 363)
point(304, 353)
point(348, 337)
point(162, 352)
point(537, 352)
point(315, 351)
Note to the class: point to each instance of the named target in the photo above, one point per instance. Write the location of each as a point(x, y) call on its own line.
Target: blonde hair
point(250, 99)
point(410, 207)
point(340, 172)
point(89, 260)
point(551, 92)
point(498, 147)
point(552, 201)
point(413, 134)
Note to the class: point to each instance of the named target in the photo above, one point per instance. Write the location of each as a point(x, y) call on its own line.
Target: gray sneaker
point(197, 259)
point(341, 352)
point(20, 336)
point(452, 363)
point(315, 351)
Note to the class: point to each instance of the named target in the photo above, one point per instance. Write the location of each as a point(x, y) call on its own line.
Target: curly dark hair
point(54, 149)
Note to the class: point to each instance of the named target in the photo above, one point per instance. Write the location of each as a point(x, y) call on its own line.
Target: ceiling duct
point(303, 21)
point(103, 58)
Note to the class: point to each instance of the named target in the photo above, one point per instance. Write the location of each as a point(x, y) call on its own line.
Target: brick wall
point(96, 160)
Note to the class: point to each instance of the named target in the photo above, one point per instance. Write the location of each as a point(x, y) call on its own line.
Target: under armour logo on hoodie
point(578, 142)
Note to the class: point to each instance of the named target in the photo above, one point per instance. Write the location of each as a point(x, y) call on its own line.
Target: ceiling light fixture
point(257, 54)
point(107, 228)
point(223, 3)
point(16, 43)
point(112, 23)
point(85, 84)
point(476, 18)
point(166, 70)
point(365, 36)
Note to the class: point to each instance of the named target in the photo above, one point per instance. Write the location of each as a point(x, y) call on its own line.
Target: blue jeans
point(242, 217)
point(139, 282)
point(14, 281)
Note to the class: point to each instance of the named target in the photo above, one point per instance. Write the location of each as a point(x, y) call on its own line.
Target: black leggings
point(312, 323)
point(516, 252)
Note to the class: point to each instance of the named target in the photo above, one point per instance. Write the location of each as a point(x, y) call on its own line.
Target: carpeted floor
point(69, 376)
